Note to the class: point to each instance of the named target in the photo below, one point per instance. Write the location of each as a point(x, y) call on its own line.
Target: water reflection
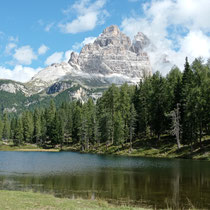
point(156, 182)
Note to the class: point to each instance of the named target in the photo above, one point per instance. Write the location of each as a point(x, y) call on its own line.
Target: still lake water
point(155, 182)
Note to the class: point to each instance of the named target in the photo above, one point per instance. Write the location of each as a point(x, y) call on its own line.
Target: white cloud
point(178, 28)
point(9, 48)
point(24, 55)
point(56, 57)
point(196, 44)
point(13, 39)
point(49, 26)
point(43, 49)
point(88, 16)
point(87, 40)
point(19, 73)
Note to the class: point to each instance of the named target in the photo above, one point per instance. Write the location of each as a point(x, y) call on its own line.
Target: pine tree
point(158, 105)
point(28, 126)
point(76, 122)
point(43, 127)
point(124, 107)
point(19, 132)
point(118, 129)
point(49, 117)
point(57, 131)
point(186, 105)
point(1, 129)
point(111, 103)
point(37, 127)
point(6, 127)
point(132, 122)
point(141, 103)
point(173, 90)
point(13, 127)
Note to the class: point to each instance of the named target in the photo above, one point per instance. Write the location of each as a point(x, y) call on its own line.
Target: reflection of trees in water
point(159, 187)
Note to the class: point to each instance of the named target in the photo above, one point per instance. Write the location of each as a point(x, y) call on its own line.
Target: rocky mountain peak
point(112, 58)
point(112, 37)
point(73, 58)
point(140, 42)
point(114, 53)
point(112, 30)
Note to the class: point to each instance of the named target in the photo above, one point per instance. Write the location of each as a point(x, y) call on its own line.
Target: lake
point(159, 183)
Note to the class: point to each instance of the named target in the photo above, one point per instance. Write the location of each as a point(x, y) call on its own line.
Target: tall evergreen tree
point(6, 127)
point(28, 126)
point(186, 105)
point(118, 129)
point(1, 129)
point(158, 105)
point(37, 127)
point(19, 132)
point(132, 122)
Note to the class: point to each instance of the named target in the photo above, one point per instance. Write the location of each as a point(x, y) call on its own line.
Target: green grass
point(28, 200)
point(166, 148)
point(27, 147)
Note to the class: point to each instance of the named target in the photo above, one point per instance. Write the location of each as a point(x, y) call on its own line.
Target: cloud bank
point(178, 28)
point(24, 55)
point(19, 73)
point(88, 16)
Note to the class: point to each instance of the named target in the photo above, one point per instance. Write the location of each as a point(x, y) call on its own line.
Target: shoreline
point(163, 150)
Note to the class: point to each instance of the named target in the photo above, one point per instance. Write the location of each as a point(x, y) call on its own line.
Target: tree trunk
point(200, 136)
point(178, 141)
point(158, 137)
point(131, 141)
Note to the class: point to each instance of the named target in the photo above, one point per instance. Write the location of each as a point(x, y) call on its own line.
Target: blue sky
point(34, 34)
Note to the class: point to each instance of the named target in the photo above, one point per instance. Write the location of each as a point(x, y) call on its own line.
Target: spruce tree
point(6, 127)
point(1, 129)
point(158, 105)
point(118, 129)
point(131, 122)
point(19, 132)
point(186, 106)
point(37, 127)
point(28, 126)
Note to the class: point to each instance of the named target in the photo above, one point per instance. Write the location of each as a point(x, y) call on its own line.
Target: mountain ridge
point(111, 58)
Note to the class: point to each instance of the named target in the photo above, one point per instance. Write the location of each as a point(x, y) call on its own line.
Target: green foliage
point(123, 114)
point(6, 127)
point(1, 129)
point(18, 132)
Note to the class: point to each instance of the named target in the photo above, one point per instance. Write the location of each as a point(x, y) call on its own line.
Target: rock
point(58, 87)
point(111, 58)
point(140, 42)
point(112, 52)
point(74, 58)
point(13, 87)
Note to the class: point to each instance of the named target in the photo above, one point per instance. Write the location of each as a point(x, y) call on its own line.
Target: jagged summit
point(112, 30)
point(114, 53)
point(112, 58)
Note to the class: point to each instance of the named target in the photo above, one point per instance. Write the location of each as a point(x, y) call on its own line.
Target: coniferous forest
point(175, 106)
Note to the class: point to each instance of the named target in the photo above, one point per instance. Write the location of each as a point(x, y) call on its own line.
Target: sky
point(35, 34)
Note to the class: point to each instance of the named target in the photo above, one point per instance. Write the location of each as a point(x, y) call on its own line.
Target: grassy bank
point(27, 147)
point(29, 200)
point(165, 148)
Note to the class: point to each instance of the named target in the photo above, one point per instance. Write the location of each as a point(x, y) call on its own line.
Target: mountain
point(112, 58)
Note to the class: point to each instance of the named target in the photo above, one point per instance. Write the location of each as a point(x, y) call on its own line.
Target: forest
point(177, 105)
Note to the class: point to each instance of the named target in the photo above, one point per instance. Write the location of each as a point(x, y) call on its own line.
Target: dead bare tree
point(176, 127)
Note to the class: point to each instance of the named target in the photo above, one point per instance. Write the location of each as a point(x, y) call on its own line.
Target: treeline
point(176, 105)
